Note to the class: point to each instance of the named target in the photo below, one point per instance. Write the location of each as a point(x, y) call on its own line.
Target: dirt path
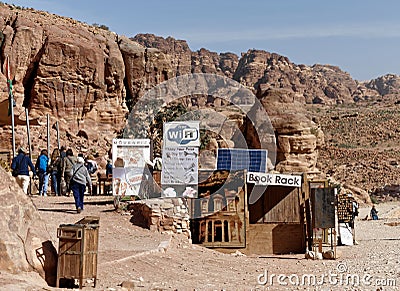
point(154, 261)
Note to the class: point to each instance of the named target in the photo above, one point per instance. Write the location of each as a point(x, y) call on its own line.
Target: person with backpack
point(20, 166)
point(91, 165)
point(41, 166)
point(66, 170)
point(92, 168)
point(79, 179)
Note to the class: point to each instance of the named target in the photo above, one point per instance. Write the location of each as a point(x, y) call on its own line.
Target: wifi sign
point(181, 134)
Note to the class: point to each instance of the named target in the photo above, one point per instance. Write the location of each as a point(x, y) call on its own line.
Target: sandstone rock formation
point(178, 50)
point(184, 61)
point(25, 243)
point(88, 79)
point(385, 85)
point(298, 138)
point(321, 84)
point(66, 69)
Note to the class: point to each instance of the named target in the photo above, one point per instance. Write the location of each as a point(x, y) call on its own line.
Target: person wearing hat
point(20, 166)
point(80, 178)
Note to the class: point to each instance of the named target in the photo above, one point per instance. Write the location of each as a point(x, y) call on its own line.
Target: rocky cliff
point(25, 243)
point(88, 79)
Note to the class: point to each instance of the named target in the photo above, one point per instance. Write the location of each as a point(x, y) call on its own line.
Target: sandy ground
point(154, 261)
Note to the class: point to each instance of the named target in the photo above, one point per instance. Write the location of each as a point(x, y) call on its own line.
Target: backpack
point(55, 165)
point(43, 163)
point(91, 167)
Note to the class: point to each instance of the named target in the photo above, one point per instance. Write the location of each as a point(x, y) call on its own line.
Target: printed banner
point(129, 161)
point(273, 179)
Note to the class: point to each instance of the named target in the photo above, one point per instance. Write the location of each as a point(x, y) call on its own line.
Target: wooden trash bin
point(78, 250)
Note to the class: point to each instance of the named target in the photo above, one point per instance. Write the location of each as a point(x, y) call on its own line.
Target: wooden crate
point(78, 250)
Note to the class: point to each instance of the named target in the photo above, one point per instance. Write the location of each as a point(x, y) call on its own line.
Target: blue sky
point(362, 37)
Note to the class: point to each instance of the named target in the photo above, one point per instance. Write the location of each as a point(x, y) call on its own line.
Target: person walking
point(79, 179)
point(66, 169)
point(41, 166)
point(20, 166)
point(109, 171)
point(55, 171)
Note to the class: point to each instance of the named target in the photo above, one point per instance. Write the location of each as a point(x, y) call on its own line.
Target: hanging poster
point(129, 164)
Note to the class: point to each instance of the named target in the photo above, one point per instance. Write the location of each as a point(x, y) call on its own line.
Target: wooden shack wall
point(276, 205)
point(274, 238)
point(277, 221)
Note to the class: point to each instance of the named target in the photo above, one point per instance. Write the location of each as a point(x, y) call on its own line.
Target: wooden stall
point(277, 223)
point(278, 220)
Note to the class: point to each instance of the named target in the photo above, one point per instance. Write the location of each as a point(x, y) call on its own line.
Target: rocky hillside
point(362, 145)
point(88, 79)
point(318, 84)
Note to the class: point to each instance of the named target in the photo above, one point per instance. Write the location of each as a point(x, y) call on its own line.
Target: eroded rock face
point(317, 84)
point(25, 245)
point(385, 85)
point(297, 137)
point(66, 69)
point(184, 61)
point(178, 50)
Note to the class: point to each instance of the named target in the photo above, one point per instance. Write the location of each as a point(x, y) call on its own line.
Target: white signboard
point(129, 160)
point(273, 179)
point(180, 166)
point(346, 236)
point(182, 134)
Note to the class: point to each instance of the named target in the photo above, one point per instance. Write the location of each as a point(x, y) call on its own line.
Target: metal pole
point(11, 104)
point(58, 136)
point(48, 134)
point(12, 122)
point(29, 144)
point(28, 132)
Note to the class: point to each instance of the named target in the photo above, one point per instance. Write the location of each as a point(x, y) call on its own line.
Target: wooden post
point(206, 235)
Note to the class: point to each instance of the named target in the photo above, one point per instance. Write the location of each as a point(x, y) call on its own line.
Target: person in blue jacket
point(42, 167)
point(21, 163)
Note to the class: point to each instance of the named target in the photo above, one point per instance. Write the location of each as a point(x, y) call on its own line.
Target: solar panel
point(253, 160)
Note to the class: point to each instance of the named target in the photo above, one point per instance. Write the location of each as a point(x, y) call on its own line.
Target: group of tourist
point(68, 173)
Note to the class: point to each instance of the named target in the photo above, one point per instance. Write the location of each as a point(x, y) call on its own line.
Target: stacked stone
point(163, 215)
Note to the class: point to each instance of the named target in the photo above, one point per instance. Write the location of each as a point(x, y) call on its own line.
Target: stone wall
point(163, 215)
